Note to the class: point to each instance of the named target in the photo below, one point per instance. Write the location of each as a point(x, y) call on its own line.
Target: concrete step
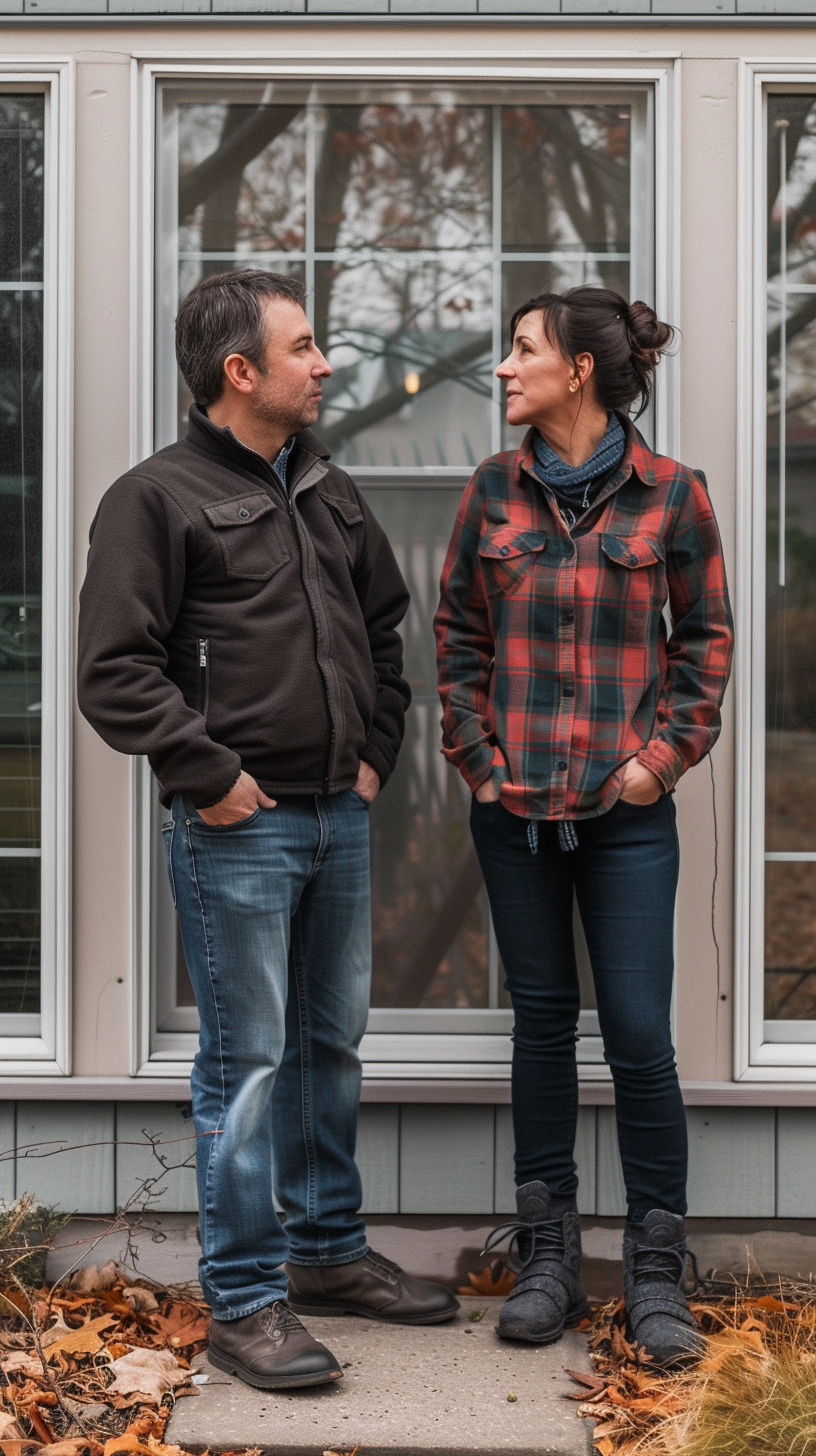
point(435, 1389)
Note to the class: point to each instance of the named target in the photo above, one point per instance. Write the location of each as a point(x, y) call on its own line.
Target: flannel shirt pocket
point(633, 551)
point(506, 556)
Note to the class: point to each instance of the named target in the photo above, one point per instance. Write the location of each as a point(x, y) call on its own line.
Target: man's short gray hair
point(223, 315)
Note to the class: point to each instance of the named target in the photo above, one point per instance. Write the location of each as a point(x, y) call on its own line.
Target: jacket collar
point(219, 441)
point(637, 460)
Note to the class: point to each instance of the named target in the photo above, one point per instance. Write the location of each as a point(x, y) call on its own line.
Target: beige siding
point(102, 840)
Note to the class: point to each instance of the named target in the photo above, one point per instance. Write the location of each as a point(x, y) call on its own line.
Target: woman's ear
point(584, 366)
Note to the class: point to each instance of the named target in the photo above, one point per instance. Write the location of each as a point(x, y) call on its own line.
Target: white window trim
point(437, 1055)
point(49, 1053)
point(757, 1058)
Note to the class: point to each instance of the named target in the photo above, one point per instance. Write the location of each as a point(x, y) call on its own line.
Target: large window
point(790, 660)
point(22, 144)
point(418, 219)
point(34, 601)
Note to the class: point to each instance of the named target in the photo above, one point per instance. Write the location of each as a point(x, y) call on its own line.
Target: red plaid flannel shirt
point(555, 666)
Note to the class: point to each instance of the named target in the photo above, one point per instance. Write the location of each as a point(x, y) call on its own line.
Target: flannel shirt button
point(569, 690)
point(244, 513)
point(632, 559)
point(568, 615)
point(505, 550)
point(562, 765)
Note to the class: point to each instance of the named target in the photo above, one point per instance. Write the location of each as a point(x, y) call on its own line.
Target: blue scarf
point(573, 483)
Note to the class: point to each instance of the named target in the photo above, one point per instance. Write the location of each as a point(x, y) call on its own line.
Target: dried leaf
point(141, 1301)
point(332, 1452)
point(495, 1281)
point(183, 1325)
point(13, 1447)
point(149, 1373)
point(55, 1331)
point(84, 1341)
point(21, 1362)
point(94, 1277)
point(9, 1428)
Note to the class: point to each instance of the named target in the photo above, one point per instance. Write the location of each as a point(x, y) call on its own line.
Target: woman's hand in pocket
point(640, 785)
point(487, 793)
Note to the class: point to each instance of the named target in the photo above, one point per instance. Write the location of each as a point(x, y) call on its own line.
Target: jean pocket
point(228, 828)
point(168, 831)
point(359, 799)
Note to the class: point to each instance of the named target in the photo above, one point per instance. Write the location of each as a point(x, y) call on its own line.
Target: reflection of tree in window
point(21, 364)
point(790, 940)
point(419, 225)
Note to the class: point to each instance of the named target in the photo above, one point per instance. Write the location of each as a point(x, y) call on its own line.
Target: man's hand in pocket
point(241, 801)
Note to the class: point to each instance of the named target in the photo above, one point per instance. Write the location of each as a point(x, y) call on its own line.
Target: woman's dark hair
point(624, 339)
point(222, 315)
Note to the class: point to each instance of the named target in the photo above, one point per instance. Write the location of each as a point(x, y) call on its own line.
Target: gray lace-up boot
point(656, 1265)
point(548, 1295)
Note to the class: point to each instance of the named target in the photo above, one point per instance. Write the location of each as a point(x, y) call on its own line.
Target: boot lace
point(283, 1318)
point(529, 1242)
point(675, 1264)
point(385, 1266)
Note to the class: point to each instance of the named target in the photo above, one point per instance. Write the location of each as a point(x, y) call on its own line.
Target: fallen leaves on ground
point(495, 1281)
point(114, 1353)
point(752, 1394)
point(147, 1374)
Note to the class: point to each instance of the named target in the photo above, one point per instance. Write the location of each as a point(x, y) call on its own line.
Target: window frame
point(23, 1051)
point(757, 1056)
point(440, 1052)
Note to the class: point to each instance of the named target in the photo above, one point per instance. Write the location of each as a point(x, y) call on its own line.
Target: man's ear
point(240, 373)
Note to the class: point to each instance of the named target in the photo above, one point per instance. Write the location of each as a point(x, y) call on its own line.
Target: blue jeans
point(624, 875)
point(275, 921)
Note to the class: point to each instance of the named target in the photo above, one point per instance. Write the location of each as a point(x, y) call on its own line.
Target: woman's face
point(541, 383)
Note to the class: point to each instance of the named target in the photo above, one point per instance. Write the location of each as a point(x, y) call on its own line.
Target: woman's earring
point(573, 385)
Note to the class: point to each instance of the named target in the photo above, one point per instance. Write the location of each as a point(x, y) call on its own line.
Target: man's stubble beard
point(271, 411)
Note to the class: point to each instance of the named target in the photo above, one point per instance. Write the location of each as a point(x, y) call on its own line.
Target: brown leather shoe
point(372, 1287)
point(271, 1349)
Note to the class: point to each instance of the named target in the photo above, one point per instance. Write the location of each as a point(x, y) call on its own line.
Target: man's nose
point(322, 368)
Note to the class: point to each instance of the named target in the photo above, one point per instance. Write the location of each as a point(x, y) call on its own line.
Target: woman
point(571, 715)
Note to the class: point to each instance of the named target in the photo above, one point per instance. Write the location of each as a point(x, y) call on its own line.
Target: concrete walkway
point(439, 1389)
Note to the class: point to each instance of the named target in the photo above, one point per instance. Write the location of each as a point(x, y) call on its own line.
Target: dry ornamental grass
point(753, 1394)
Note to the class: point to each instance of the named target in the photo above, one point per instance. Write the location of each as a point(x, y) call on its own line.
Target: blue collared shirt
point(281, 462)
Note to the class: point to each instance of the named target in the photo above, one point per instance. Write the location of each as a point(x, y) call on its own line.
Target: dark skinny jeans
point(624, 873)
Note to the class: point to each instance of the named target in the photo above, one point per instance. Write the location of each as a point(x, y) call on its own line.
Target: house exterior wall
point(747, 1160)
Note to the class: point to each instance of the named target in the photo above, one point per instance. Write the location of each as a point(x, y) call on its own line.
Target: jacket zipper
point(327, 774)
point(204, 675)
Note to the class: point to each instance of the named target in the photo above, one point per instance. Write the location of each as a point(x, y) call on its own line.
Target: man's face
point(288, 394)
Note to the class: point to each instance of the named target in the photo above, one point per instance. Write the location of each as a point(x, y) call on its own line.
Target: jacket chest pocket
point(635, 570)
point(249, 535)
point(506, 558)
point(348, 522)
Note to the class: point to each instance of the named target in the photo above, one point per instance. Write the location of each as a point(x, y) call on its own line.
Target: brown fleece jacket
point(226, 625)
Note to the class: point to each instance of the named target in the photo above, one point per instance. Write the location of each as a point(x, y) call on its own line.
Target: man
point(239, 626)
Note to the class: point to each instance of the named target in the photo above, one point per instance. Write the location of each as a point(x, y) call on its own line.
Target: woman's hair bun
point(625, 340)
point(648, 334)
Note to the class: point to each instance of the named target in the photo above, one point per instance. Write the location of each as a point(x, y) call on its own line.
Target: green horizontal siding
point(92, 1157)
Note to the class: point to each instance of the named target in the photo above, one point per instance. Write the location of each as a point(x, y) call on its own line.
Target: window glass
point(790, 693)
point(21, 368)
point(419, 220)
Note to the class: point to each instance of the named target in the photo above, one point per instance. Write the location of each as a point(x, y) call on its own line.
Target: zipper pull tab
point(202, 652)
